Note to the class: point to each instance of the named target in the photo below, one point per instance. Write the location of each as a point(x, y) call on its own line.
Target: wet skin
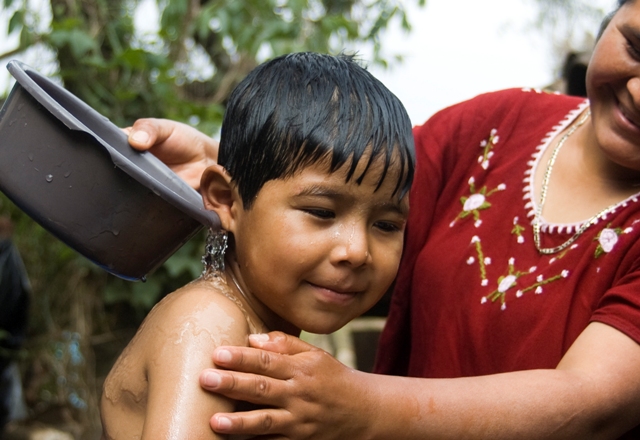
point(312, 253)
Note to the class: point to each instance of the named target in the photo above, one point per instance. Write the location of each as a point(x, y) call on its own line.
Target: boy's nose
point(352, 247)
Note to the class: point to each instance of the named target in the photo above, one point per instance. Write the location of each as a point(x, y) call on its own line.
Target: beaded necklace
point(537, 219)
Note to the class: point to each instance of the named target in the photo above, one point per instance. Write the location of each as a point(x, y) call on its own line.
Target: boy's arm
point(183, 333)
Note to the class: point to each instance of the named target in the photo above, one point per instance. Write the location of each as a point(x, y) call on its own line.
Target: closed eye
point(388, 226)
point(324, 214)
point(632, 49)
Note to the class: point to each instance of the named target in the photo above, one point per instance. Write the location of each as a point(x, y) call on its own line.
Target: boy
point(316, 160)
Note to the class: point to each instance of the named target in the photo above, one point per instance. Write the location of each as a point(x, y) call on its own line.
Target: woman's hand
point(187, 151)
point(593, 394)
point(310, 394)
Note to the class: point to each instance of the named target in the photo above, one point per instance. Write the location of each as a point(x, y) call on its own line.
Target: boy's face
point(318, 252)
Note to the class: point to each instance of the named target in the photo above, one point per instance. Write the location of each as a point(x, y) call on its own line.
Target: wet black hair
point(301, 108)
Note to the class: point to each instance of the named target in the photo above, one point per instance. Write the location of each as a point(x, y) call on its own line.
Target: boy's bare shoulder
point(198, 307)
point(165, 357)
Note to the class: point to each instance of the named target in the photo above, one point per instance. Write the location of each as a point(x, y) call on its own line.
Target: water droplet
point(49, 178)
point(67, 174)
point(31, 157)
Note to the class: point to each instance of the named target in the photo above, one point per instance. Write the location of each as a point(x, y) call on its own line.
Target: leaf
point(81, 43)
point(16, 21)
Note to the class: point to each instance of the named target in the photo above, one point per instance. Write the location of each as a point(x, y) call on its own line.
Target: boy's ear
point(219, 195)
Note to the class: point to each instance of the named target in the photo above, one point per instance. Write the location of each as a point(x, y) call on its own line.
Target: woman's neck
point(599, 166)
point(583, 181)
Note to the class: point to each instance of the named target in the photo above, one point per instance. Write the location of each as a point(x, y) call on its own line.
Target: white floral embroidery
point(474, 202)
point(506, 283)
point(608, 239)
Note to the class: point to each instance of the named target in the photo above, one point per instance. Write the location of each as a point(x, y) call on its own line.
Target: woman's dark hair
point(298, 109)
point(609, 16)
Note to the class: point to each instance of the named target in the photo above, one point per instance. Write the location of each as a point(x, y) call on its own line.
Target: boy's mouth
point(336, 294)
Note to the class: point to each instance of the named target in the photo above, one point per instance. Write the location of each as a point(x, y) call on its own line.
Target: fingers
point(187, 151)
point(147, 132)
point(251, 360)
point(272, 357)
point(279, 342)
point(267, 424)
point(245, 387)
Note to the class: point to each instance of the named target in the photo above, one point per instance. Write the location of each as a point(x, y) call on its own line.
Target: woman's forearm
point(594, 393)
point(524, 405)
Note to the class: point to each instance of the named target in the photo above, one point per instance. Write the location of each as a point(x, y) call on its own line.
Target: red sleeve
point(619, 307)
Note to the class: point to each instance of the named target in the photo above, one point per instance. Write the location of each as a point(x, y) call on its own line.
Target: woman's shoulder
point(520, 106)
point(513, 98)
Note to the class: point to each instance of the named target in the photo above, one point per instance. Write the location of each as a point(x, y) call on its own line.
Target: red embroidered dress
point(474, 296)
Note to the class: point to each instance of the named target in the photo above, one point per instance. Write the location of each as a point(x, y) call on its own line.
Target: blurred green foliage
point(182, 67)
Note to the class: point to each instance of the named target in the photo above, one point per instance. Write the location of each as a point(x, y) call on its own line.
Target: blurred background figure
point(14, 307)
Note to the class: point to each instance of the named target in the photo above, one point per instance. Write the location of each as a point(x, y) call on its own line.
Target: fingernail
point(140, 136)
point(259, 337)
point(212, 379)
point(223, 422)
point(223, 355)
